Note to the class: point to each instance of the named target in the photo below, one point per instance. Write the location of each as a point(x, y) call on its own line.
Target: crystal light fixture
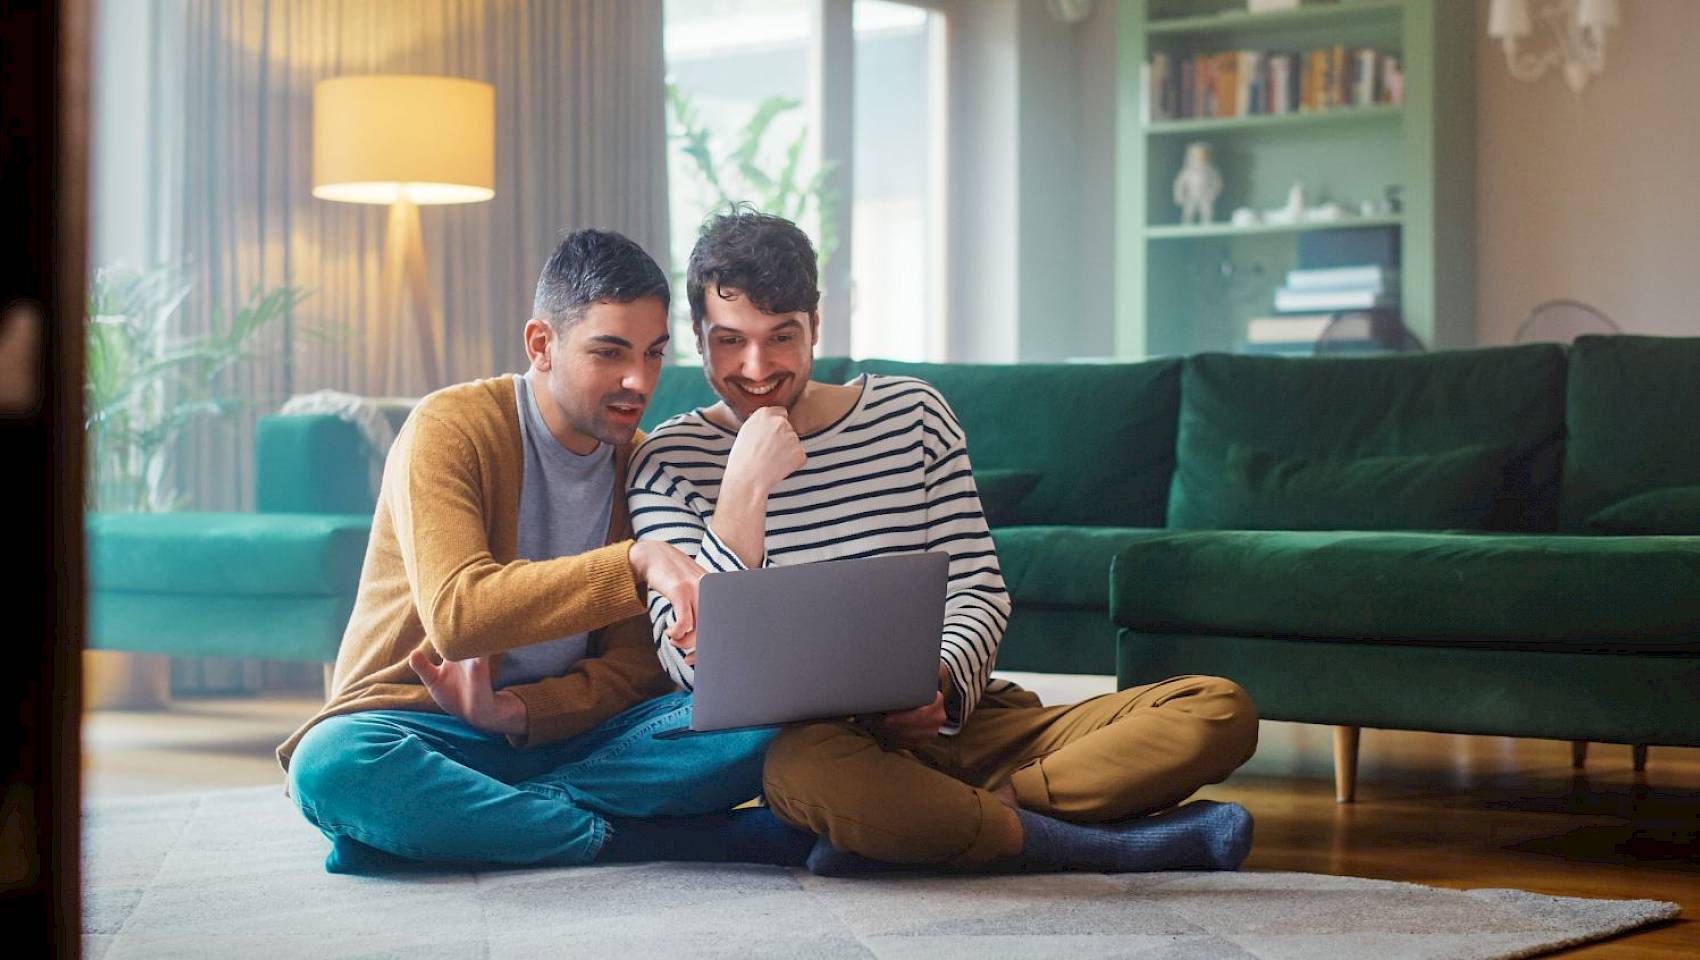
point(1579, 36)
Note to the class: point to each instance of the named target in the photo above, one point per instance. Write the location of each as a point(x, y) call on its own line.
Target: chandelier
point(1579, 37)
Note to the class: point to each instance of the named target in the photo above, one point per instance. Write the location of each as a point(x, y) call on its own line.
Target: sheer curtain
point(215, 177)
point(581, 142)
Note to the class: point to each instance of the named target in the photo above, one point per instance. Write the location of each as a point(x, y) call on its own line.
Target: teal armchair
point(276, 584)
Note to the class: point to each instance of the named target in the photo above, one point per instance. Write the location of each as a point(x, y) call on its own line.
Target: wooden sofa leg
point(1578, 753)
point(1639, 752)
point(1345, 764)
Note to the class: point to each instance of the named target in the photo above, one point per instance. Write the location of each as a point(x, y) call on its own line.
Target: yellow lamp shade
point(384, 139)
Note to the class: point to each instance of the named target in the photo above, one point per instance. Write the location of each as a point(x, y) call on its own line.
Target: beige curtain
point(225, 189)
point(581, 142)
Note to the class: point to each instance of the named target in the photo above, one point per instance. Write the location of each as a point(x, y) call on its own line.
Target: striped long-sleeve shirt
point(889, 477)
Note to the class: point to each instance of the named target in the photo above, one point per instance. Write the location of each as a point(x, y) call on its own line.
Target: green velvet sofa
point(1521, 556)
point(1481, 541)
point(276, 584)
point(1497, 541)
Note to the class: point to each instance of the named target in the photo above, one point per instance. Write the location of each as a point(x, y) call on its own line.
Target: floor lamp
point(405, 141)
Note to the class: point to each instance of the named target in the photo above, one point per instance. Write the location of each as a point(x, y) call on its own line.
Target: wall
point(1596, 196)
point(981, 247)
point(1032, 232)
point(1067, 182)
point(1096, 185)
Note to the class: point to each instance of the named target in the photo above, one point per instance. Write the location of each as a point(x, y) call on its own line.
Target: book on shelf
point(1224, 87)
point(1289, 328)
point(1244, 83)
point(1297, 348)
point(1357, 331)
point(1393, 80)
point(1372, 276)
point(1146, 112)
point(1281, 83)
point(1305, 301)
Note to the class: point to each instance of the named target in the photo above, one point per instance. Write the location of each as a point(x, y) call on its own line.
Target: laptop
point(817, 641)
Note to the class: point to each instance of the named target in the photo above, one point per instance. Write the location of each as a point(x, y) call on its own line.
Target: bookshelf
point(1193, 231)
point(1234, 17)
point(1336, 116)
point(1186, 289)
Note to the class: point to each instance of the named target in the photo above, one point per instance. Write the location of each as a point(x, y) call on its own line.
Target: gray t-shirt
point(564, 506)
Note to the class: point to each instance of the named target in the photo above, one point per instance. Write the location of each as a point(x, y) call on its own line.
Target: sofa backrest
point(1099, 437)
point(1633, 412)
point(311, 463)
point(1467, 438)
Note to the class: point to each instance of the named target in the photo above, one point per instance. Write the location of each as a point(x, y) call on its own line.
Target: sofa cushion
point(1001, 492)
point(1576, 592)
point(1058, 640)
point(1102, 436)
point(1346, 409)
point(311, 463)
point(1672, 510)
point(1066, 567)
point(1631, 409)
point(227, 553)
point(1263, 490)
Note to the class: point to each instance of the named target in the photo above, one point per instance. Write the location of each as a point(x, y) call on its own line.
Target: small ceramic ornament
point(1197, 185)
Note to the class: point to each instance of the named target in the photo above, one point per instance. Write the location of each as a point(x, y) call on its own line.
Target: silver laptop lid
point(818, 640)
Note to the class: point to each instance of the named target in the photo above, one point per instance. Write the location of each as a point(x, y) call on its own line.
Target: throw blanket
point(377, 418)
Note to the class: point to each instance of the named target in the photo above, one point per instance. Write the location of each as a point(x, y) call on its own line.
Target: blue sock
point(826, 860)
point(750, 835)
point(1202, 835)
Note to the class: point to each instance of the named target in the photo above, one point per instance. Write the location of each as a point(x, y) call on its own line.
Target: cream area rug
point(238, 874)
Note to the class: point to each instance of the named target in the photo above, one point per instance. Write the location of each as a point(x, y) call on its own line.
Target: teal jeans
point(429, 787)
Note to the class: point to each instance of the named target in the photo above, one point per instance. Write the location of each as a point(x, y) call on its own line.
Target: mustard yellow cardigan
point(440, 572)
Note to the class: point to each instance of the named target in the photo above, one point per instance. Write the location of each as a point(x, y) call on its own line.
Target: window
point(895, 265)
point(749, 121)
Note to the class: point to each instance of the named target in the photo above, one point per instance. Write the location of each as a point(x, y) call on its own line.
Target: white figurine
point(1197, 185)
point(1294, 211)
point(1245, 217)
point(1326, 213)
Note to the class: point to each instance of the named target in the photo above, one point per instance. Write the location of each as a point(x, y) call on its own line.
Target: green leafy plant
point(146, 386)
point(737, 176)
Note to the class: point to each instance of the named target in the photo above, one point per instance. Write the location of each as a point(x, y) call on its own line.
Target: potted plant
point(147, 385)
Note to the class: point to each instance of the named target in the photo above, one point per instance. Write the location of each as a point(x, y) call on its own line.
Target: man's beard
point(743, 406)
point(598, 422)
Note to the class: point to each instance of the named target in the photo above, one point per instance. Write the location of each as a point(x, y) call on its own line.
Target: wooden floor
point(1443, 810)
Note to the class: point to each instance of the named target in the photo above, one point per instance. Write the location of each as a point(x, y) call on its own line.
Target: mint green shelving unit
point(1186, 289)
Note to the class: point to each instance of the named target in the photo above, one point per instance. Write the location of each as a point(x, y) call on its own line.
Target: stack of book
point(1240, 83)
point(1313, 297)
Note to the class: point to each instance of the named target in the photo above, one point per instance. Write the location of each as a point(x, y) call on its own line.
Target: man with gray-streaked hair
point(496, 696)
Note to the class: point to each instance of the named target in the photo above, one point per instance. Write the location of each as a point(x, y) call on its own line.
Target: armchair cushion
point(228, 554)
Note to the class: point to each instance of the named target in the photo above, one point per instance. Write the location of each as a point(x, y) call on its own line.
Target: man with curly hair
point(787, 470)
